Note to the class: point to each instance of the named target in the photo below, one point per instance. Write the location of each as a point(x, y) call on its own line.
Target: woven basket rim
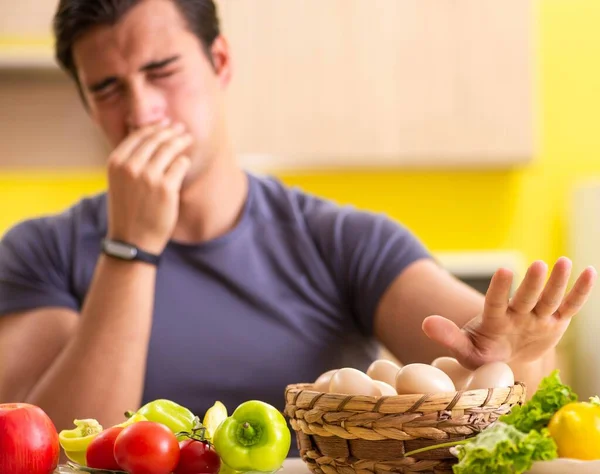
point(303, 387)
point(301, 394)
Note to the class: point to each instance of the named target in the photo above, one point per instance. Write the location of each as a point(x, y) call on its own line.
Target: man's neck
point(211, 204)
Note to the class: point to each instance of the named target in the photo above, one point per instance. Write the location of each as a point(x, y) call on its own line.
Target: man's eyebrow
point(104, 83)
point(159, 64)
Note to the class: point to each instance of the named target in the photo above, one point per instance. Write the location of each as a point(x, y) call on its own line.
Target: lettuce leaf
point(503, 449)
point(551, 395)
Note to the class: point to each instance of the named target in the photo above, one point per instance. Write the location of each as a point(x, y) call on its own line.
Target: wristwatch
point(129, 252)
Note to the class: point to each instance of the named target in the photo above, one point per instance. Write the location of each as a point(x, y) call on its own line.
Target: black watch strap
point(124, 251)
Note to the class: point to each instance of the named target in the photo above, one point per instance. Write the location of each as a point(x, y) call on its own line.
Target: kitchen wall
point(523, 209)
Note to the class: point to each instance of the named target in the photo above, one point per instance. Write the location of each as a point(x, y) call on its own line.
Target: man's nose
point(146, 107)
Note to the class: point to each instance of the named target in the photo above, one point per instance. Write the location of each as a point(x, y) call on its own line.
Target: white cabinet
point(334, 83)
point(584, 248)
point(330, 83)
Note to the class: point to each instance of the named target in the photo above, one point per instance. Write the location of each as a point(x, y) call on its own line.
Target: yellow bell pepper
point(576, 430)
point(213, 417)
point(75, 442)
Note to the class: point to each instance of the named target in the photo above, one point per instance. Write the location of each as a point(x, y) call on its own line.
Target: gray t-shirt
point(289, 293)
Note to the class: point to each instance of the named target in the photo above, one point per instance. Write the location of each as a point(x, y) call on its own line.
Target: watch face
point(120, 250)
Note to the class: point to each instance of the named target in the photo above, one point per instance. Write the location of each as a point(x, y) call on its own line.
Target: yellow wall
point(524, 209)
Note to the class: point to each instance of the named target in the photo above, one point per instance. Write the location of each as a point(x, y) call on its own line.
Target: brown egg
point(453, 369)
point(353, 382)
point(384, 371)
point(385, 388)
point(422, 378)
point(322, 383)
point(492, 375)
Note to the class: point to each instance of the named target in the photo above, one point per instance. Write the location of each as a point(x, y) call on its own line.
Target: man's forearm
point(100, 372)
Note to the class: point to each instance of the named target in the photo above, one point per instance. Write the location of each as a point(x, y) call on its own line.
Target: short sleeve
point(34, 268)
point(364, 251)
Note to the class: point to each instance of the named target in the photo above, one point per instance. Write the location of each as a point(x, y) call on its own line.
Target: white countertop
point(290, 466)
point(295, 466)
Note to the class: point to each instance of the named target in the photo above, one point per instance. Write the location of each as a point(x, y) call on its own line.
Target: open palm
point(522, 328)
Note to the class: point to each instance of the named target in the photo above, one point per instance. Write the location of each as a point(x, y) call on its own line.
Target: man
point(257, 286)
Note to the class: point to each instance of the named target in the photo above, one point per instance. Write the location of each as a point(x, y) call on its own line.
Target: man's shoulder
point(275, 199)
point(88, 215)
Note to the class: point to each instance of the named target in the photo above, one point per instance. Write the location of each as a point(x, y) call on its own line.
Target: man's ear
point(221, 59)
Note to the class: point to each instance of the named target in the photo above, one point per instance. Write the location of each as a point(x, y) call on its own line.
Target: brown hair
point(73, 18)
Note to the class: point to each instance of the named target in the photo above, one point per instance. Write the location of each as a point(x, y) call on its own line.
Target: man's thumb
point(447, 334)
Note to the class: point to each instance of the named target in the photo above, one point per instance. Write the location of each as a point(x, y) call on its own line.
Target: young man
point(257, 286)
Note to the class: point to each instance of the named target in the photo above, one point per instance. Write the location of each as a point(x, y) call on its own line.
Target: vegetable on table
point(197, 454)
point(76, 441)
point(503, 449)
point(532, 432)
point(197, 457)
point(174, 416)
point(576, 430)
point(254, 438)
point(147, 447)
point(100, 453)
point(551, 395)
point(213, 417)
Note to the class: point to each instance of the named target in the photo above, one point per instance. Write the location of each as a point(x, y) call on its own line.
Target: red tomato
point(147, 447)
point(197, 458)
point(100, 452)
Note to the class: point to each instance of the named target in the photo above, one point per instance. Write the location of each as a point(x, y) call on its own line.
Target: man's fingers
point(528, 293)
point(447, 334)
point(555, 288)
point(579, 294)
point(149, 146)
point(496, 298)
point(176, 172)
point(166, 153)
point(124, 150)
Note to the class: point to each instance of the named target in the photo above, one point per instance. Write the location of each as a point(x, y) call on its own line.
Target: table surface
point(290, 466)
point(295, 466)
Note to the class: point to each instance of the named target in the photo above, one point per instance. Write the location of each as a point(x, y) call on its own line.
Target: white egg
point(385, 388)
point(322, 383)
point(384, 371)
point(492, 375)
point(422, 378)
point(353, 382)
point(454, 370)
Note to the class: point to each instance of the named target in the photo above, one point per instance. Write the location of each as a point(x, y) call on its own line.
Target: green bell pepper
point(254, 438)
point(174, 416)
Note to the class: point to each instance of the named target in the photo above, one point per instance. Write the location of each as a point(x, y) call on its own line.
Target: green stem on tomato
point(198, 433)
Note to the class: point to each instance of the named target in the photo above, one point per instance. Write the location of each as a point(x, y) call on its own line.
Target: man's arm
point(424, 289)
point(88, 366)
point(93, 366)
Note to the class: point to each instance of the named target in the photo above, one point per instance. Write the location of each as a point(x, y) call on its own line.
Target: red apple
point(28, 440)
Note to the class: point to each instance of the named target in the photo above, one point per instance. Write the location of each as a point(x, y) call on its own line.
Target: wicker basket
point(339, 434)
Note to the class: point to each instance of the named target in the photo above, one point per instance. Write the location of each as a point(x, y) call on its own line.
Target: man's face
point(150, 67)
